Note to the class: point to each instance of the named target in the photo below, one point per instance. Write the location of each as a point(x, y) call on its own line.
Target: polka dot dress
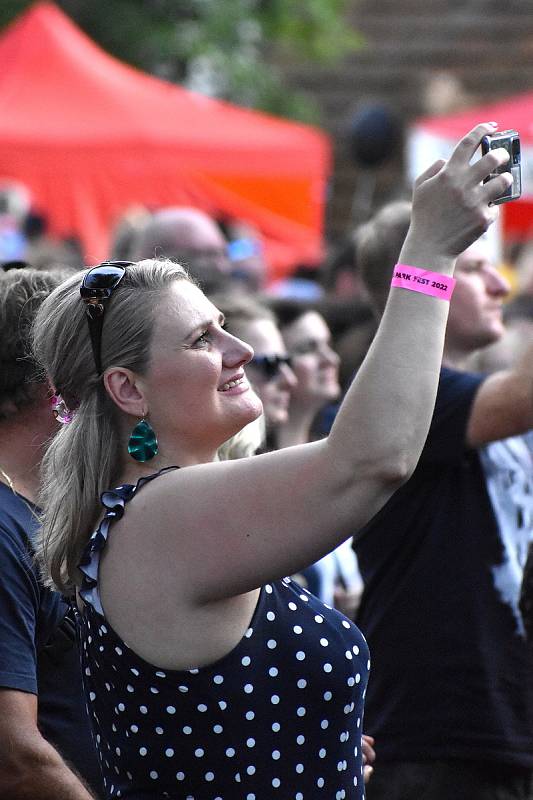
point(280, 716)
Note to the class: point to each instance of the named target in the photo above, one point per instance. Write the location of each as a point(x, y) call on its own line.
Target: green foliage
point(316, 29)
point(227, 48)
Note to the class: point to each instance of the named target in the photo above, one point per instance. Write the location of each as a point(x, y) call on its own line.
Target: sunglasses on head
point(97, 286)
point(8, 265)
point(271, 365)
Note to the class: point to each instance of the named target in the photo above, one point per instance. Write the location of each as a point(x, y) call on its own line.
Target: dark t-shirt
point(38, 652)
point(451, 675)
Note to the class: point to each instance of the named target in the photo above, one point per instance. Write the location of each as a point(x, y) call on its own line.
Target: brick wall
point(486, 44)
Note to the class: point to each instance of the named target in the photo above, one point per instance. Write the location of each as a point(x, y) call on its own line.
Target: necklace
point(21, 497)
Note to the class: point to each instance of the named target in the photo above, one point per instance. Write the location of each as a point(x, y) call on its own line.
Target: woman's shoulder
point(114, 504)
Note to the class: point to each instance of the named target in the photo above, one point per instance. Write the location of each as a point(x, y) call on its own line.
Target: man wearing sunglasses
point(43, 721)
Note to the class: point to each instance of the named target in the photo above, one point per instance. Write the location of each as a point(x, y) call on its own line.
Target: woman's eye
point(203, 338)
point(306, 348)
point(207, 335)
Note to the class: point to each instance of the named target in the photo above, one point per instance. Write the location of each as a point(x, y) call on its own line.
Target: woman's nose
point(237, 352)
point(329, 355)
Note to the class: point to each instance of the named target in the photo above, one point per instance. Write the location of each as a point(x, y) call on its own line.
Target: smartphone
point(510, 140)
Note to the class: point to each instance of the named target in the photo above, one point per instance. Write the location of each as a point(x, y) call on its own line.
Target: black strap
point(62, 639)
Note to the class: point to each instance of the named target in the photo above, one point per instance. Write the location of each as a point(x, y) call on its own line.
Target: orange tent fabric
point(91, 136)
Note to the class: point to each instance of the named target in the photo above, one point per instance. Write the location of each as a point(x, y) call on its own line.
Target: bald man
point(191, 237)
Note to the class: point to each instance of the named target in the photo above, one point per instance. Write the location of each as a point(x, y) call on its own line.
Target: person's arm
point(503, 405)
point(369, 755)
point(30, 767)
point(233, 526)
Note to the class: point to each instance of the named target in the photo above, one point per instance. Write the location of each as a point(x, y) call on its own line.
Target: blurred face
point(202, 238)
point(273, 385)
point(196, 388)
point(475, 318)
point(315, 363)
point(189, 234)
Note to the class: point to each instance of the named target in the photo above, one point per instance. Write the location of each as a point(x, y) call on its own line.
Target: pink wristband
point(422, 280)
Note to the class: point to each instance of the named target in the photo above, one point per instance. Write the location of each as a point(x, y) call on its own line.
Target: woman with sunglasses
point(207, 674)
point(315, 364)
point(335, 578)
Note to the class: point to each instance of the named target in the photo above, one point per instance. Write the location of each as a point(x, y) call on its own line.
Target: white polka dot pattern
point(282, 710)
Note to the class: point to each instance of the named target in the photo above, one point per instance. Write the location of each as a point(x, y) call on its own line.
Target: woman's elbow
point(395, 468)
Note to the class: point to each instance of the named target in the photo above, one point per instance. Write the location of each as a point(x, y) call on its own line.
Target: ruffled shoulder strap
point(114, 501)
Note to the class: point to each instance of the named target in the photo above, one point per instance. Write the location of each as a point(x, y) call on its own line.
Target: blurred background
point(361, 73)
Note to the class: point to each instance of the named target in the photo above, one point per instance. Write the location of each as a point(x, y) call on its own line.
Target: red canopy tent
point(434, 137)
point(91, 136)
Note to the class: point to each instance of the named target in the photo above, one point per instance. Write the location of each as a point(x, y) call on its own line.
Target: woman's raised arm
point(234, 526)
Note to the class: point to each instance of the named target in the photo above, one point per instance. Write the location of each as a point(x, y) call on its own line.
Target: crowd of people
point(263, 540)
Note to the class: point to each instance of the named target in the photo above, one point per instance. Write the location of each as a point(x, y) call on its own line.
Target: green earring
point(142, 444)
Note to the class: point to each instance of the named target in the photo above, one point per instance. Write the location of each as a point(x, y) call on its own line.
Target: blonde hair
point(84, 458)
point(245, 442)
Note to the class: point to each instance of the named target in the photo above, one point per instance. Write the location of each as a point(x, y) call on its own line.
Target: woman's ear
point(123, 387)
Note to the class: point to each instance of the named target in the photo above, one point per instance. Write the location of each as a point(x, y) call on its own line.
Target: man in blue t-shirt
point(45, 740)
point(450, 697)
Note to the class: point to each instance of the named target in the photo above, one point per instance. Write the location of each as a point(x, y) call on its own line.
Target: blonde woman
point(207, 674)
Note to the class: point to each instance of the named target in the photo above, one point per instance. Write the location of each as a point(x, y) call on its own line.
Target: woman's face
point(195, 387)
point(273, 384)
point(315, 363)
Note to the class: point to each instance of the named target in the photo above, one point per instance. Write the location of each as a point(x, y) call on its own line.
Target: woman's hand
point(452, 207)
